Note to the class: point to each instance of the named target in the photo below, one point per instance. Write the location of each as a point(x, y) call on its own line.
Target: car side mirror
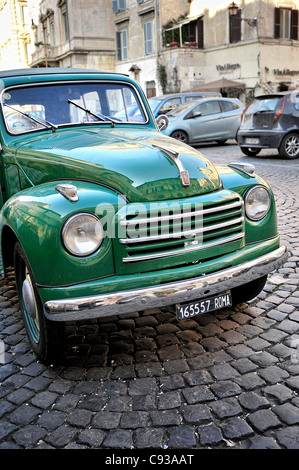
point(192, 115)
point(162, 122)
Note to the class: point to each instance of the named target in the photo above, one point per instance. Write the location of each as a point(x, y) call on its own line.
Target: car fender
point(35, 218)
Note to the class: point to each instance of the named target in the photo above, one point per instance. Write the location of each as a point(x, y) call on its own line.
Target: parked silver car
point(214, 119)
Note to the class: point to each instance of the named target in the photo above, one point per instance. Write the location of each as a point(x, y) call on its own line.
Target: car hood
point(125, 160)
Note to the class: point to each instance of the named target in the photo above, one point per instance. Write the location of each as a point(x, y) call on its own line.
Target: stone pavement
point(146, 381)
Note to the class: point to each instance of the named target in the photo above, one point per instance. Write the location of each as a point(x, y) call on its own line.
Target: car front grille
point(156, 236)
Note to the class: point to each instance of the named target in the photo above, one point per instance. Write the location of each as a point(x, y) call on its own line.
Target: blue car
point(214, 119)
point(165, 103)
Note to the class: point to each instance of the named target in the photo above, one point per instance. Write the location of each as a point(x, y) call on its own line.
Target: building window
point(64, 19)
point(25, 14)
point(189, 34)
point(285, 23)
point(65, 25)
point(150, 89)
point(122, 44)
point(52, 34)
point(118, 5)
point(235, 27)
point(45, 33)
point(148, 38)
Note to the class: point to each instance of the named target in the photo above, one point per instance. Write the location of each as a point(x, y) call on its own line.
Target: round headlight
point(82, 234)
point(257, 202)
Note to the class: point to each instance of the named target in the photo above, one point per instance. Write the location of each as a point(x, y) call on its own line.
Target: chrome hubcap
point(29, 298)
point(292, 146)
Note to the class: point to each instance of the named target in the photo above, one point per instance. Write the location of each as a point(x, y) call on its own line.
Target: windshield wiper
point(46, 124)
point(264, 111)
point(101, 117)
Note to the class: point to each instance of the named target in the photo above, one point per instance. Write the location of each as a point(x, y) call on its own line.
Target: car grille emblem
point(184, 175)
point(185, 178)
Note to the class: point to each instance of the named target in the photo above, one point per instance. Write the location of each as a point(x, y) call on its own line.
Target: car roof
point(216, 98)
point(194, 103)
point(50, 71)
point(278, 94)
point(173, 95)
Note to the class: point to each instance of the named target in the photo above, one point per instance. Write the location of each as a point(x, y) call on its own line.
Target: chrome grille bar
point(162, 218)
point(184, 250)
point(184, 234)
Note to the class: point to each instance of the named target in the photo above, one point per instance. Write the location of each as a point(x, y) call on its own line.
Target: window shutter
point(294, 24)
point(148, 38)
point(118, 45)
point(276, 23)
point(235, 27)
point(200, 33)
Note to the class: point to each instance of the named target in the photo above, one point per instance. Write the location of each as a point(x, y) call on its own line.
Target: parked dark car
point(271, 121)
point(165, 103)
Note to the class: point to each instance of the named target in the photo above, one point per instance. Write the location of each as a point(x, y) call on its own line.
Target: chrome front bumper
point(118, 303)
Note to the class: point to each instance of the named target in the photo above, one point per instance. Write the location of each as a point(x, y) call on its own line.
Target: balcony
point(45, 56)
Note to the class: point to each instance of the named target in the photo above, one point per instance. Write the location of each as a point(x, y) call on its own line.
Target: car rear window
point(261, 105)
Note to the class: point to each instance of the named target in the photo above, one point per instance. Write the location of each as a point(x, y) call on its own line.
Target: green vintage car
point(101, 214)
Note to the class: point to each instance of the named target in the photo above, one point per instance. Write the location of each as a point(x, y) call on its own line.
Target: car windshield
point(154, 103)
point(37, 107)
point(263, 105)
point(181, 109)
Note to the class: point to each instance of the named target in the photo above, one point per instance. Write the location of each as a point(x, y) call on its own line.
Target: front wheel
point(250, 151)
point(289, 147)
point(46, 338)
point(248, 291)
point(180, 135)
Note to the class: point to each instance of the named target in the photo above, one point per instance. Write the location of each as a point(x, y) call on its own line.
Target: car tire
point(46, 338)
point(289, 147)
point(248, 291)
point(250, 151)
point(181, 136)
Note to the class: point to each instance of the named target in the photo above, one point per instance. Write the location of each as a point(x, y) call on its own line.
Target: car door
point(231, 116)
point(207, 123)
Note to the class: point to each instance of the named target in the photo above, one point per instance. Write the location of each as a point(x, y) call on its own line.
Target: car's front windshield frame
point(182, 108)
point(48, 114)
point(156, 102)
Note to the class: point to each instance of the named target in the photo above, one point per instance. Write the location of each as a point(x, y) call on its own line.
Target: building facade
point(179, 45)
point(166, 45)
point(15, 43)
point(76, 33)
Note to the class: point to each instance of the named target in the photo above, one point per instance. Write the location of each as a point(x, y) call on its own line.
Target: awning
point(222, 83)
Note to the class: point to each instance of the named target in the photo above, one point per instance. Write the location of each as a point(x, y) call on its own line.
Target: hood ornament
point(184, 175)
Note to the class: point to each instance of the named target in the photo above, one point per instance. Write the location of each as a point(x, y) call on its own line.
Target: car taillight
point(279, 109)
point(244, 111)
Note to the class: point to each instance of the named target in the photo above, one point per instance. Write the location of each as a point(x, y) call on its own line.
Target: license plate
point(252, 141)
point(206, 305)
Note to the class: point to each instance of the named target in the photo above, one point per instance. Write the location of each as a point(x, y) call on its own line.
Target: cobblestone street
point(147, 381)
